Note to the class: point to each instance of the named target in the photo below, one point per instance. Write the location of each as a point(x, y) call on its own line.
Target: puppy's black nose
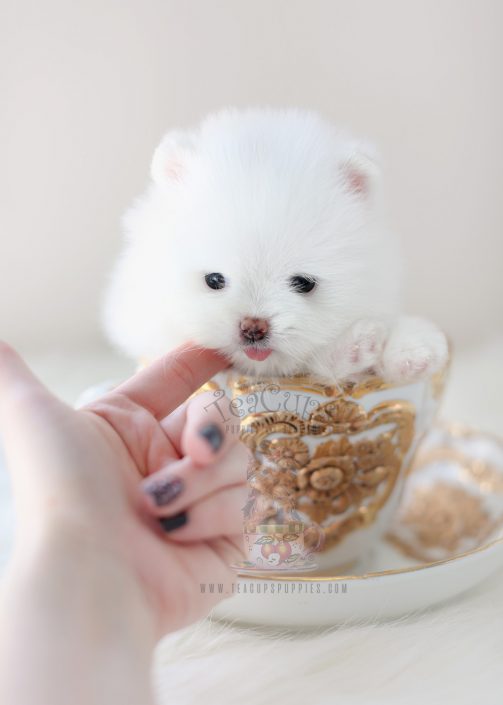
point(253, 329)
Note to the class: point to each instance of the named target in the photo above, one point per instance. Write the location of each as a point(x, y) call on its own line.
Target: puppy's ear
point(171, 157)
point(360, 172)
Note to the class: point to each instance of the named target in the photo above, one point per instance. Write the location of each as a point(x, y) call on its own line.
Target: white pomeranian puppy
point(262, 234)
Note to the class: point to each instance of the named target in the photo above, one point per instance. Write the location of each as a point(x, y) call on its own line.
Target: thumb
point(30, 418)
point(20, 390)
point(26, 407)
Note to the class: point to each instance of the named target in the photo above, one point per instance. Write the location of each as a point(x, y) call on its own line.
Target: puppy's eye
point(215, 280)
point(302, 284)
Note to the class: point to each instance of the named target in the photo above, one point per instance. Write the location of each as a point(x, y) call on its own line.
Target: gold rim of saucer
point(457, 430)
point(377, 573)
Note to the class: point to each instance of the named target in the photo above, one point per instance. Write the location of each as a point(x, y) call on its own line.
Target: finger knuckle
point(178, 370)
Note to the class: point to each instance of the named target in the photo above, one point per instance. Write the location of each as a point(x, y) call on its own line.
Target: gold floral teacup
point(332, 456)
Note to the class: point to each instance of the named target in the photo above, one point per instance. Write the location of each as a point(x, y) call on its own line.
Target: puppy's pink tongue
point(258, 354)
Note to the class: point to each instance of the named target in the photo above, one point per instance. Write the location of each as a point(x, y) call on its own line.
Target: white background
point(88, 88)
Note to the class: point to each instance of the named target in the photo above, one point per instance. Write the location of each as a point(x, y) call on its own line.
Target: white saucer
point(448, 537)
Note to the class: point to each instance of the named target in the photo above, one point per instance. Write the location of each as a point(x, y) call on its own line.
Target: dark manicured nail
point(213, 435)
point(165, 491)
point(172, 523)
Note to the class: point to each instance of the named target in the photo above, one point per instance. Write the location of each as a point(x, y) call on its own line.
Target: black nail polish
point(213, 435)
point(165, 491)
point(172, 523)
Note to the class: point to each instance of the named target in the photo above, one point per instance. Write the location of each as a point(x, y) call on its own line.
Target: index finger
point(172, 378)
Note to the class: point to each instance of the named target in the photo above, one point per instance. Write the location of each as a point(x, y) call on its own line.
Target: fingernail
point(172, 523)
point(164, 491)
point(213, 435)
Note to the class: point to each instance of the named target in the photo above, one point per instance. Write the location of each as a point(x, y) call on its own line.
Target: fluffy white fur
point(261, 196)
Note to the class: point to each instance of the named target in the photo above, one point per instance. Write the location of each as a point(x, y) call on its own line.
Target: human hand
point(106, 475)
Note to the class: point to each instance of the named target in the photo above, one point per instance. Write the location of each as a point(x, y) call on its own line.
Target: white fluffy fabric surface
point(452, 654)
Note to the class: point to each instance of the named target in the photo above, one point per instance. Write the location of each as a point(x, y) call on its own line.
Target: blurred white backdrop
point(88, 88)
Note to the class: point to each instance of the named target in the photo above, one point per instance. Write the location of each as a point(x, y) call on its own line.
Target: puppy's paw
point(360, 348)
point(415, 349)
